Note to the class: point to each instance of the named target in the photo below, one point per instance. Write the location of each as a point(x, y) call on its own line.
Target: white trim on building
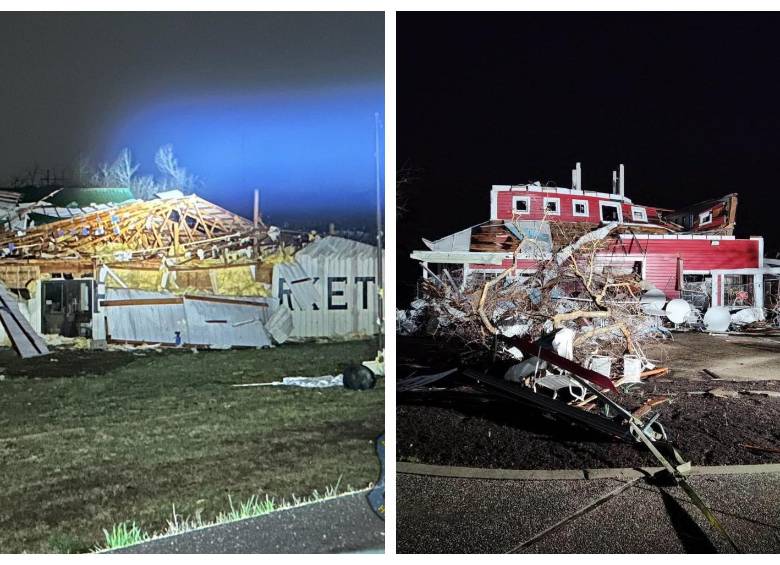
point(641, 211)
point(614, 205)
point(550, 200)
point(584, 204)
point(527, 200)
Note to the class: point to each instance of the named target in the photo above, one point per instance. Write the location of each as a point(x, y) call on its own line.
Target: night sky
point(690, 103)
point(283, 102)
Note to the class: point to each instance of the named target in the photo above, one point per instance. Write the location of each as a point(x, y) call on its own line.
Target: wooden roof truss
point(147, 228)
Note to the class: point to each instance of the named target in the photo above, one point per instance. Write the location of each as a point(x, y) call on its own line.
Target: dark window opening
point(521, 205)
point(609, 213)
point(67, 307)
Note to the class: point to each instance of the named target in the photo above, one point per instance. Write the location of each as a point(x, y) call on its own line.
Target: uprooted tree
point(569, 289)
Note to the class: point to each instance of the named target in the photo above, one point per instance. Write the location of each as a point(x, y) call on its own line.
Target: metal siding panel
point(244, 334)
point(335, 257)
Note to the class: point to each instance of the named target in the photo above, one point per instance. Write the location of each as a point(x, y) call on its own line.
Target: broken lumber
point(759, 448)
point(661, 371)
point(572, 367)
point(24, 339)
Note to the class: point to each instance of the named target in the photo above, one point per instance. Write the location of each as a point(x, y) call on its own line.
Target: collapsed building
point(176, 270)
point(551, 302)
point(689, 253)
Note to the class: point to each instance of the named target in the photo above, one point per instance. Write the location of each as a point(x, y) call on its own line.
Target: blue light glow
point(311, 153)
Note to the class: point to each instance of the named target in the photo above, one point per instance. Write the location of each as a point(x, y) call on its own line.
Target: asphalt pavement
point(597, 515)
point(341, 525)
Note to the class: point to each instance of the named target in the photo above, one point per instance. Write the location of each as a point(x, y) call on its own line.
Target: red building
point(689, 252)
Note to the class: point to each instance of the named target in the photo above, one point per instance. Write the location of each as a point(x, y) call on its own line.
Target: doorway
point(67, 307)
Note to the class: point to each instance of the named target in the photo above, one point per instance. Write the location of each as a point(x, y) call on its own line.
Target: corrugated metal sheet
point(459, 241)
point(280, 324)
point(300, 283)
point(154, 317)
point(343, 276)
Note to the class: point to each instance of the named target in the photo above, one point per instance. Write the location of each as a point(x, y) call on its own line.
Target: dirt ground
point(455, 427)
point(91, 438)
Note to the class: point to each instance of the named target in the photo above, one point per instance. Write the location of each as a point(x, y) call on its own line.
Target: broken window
point(610, 212)
point(705, 218)
point(738, 290)
point(772, 295)
point(638, 214)
point(552, 205)
point(697, 290)
point(67, 307)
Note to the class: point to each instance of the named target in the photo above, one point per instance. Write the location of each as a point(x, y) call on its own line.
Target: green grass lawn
point(89, 439)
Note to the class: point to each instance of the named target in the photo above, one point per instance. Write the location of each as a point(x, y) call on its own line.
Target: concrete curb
point(571, 474)
point(205, 527)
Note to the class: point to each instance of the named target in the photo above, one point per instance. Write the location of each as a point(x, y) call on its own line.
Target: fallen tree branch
point(558, 319)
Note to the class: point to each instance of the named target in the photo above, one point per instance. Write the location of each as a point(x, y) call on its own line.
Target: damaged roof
point(138, 226)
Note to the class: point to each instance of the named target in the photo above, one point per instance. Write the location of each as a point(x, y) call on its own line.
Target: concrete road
point(740, 358)
point(475, 515)
point(341, 525)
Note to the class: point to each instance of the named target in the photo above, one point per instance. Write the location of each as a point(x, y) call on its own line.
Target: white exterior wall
point(331, 259)
point(222, 322)
point(30, 309)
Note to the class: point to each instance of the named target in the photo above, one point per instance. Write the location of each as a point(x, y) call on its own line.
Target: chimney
point(622, 182)
point(574, 179)
point(578, 169)
point(614, 182)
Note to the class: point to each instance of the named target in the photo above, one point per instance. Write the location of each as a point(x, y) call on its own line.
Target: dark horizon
point(688, 102)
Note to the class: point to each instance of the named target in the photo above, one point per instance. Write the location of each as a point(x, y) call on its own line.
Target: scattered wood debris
point(25, 340)
point(759, 448)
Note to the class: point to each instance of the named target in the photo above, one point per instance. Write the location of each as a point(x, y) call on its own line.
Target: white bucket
point(632, 368)
point(601, 364)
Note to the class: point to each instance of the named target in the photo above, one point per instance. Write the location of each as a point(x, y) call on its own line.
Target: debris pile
point(601, 312)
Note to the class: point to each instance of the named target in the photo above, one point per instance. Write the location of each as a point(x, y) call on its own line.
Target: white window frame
point(703, 215)
point(557, 201)
point(615, 205)
point(642, 212)
point(527, 200)
point(574, 208)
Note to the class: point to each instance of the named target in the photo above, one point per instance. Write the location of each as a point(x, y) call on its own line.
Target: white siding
point(343, 263)
point(220, 322)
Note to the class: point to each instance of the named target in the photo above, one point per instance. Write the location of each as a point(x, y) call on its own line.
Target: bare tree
point(174, 175)
point(123, 168)
point(144, 187)
point(83, 171)
point(118, 173)
point(122, 172)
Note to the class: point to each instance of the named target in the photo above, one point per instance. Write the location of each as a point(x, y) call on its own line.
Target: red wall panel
point(702, 255)
point(536, 212)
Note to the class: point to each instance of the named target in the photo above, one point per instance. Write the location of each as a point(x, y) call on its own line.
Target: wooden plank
point(141, 301)
point(26, 342)
point(225, 300)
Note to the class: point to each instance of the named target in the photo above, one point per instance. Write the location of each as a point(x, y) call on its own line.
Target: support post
point(380, 286)
point(579, 177)
point(257, 208)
